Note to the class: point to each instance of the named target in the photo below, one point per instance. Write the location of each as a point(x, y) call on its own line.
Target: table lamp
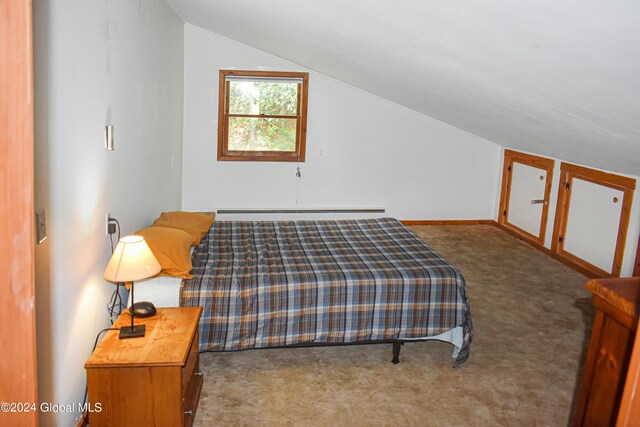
point(132, 260)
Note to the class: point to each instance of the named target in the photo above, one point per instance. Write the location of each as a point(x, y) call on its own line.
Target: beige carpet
point(531, 319)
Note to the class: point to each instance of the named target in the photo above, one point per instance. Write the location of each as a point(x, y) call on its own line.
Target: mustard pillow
point(171, 248)
point(195, 223)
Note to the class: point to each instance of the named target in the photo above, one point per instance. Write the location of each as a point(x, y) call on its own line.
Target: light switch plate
point(41, 226)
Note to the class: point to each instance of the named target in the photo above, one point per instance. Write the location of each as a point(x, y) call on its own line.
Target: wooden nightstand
point(605, 370)
point(153, 380)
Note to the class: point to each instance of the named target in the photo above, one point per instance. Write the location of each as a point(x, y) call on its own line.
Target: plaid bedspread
point(269, 284)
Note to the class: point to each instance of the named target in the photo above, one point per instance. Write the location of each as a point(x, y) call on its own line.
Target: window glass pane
point(262, 134)
point(263, 97)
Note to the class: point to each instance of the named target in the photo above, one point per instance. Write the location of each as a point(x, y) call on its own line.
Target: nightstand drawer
point(191, 367)
point(191, 383)
point(190, 402)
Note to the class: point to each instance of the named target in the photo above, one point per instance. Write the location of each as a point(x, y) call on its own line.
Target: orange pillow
point(171, 248)
point(195, 223)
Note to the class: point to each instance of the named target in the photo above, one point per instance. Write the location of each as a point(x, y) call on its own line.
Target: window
point(262, 116)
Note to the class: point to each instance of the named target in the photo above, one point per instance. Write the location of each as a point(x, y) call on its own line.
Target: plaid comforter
point(270, 284)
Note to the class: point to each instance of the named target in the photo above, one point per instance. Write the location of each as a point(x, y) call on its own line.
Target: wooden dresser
point(150, 381)
point(605, 371)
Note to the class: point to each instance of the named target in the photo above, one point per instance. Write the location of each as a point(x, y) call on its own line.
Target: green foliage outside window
point(263, 98)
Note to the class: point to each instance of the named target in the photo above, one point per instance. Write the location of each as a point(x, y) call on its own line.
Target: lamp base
point(136, 332)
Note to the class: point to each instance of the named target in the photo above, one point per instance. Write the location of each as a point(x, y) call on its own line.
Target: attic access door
point(524, 201)
point(592, 218)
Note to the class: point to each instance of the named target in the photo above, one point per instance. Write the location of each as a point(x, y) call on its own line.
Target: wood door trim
point(636, 266)
point(510, 157)
point(627, 185)
point(18, 381)
point(530, 159)
point(600, 177)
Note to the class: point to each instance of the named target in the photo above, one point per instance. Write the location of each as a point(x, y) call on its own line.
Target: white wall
point(97, 62)
point(634, 223)
point(362, 151)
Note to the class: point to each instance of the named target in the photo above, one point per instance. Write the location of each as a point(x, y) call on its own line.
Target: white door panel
point(526, 185)
point(592, 223)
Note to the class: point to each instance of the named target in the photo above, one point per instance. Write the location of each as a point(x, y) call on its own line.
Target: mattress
point(162, 291)
point(279, 283)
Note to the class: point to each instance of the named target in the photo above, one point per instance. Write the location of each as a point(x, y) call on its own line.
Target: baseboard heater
point(300, 211)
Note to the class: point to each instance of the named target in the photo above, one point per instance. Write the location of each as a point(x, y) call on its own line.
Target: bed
point(298, 283)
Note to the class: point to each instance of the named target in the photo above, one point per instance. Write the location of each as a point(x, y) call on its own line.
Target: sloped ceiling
point(556, 77)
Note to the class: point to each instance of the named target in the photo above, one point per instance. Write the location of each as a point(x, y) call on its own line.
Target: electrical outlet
point(106, 224)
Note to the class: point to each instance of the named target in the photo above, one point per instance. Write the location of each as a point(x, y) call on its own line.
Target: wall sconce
point(109, 138)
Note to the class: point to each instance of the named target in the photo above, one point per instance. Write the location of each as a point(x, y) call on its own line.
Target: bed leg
point(396, 352)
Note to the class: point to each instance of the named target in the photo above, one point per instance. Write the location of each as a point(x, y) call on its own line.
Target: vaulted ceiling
point(556, 77)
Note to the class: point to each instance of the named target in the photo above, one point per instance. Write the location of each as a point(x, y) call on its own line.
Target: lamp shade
point(132, 260)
